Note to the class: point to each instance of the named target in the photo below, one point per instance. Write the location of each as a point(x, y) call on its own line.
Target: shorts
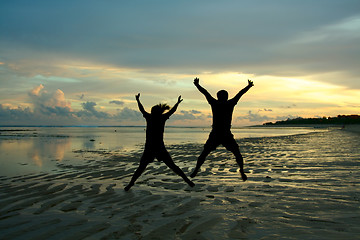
point(152, 152)
point(224, 138)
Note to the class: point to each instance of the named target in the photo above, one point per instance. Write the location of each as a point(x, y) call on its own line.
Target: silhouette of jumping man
point(154, 144)
point(222, 110)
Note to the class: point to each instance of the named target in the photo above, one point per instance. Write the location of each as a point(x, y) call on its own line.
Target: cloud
point(254, 117)
point(122, 48)
point(194, 112)
point(285, 117)
point(41, 97)
point(18, 115)
point(190, 36)
point(289, 106)
point(26, 116)
point(258, 118)
point(90, 111)
point(117, 102)
point(50, 103)
point(265, 110)
point(47, 108)
point(89, 106)
point(52, 108)
point(188, 115)
point(36, 90)
point(127, 114)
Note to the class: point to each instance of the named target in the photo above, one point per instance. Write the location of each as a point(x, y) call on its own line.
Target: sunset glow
point(90, 71)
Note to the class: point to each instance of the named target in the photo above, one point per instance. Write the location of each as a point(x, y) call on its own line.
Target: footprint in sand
point(229, 189)
point(110, 187)
point(242, 228)
point(212, 188)
point(233, 170)
point(71, 206)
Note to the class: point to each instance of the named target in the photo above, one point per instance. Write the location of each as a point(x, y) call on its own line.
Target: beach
point(300, 186)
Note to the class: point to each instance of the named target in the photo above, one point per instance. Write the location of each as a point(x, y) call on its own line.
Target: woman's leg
point(166, 158)
point(144, 161)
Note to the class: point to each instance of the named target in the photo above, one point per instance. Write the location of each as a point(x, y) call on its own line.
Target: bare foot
point(191, 184)
point(194, 173)
point(243, 176)
point(127, 188)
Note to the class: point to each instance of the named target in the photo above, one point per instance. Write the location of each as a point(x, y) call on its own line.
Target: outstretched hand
point(196, 81)
point(250, 83)
point(137, 96)
point(179, 99)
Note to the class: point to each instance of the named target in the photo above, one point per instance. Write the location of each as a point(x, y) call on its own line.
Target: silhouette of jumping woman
point(222, 110)
point(154, 144)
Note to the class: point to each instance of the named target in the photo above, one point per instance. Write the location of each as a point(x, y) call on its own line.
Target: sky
point(82, 62)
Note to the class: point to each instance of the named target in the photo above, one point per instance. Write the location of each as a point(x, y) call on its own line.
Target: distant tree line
point(339, 120)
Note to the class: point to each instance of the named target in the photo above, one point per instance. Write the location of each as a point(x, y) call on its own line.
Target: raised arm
point(208, 96)
point(141, 108)
point(243, 91)
point(173, 109)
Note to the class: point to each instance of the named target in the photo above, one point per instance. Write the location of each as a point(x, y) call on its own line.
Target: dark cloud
point(195, 112)
point(281, 118)
point(89, 106)
point(58, 111)
point(117, 102)
point(258, 118)
point(254, 117)
point(61, 116)
point(128, 114)
point(44, 116)
point(188, 115)
point(289, 106)
point(15, 116)
point(50, 108)
point(265, 110)
point(261, 37)
point(90, 111)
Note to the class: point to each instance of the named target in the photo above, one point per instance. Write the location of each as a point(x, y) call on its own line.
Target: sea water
point(25, 150)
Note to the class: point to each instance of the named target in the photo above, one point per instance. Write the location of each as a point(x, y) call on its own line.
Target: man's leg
point(145, 160)
point(210, 145)
point(166, 158)
point(232, 146)
point(201, 160)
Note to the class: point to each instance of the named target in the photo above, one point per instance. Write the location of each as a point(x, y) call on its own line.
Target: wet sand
point(299, 187)
point(352, 128)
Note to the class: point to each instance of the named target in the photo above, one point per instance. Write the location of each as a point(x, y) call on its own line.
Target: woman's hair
point(159, 108)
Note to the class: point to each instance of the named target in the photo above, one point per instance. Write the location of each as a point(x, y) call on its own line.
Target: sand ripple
point(305, 186)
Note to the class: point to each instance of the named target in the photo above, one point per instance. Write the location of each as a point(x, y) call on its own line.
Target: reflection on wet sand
point(32, 152)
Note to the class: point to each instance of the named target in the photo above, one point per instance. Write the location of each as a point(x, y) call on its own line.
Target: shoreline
point(352, 128)
point(347, 127)
point(298, 125)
